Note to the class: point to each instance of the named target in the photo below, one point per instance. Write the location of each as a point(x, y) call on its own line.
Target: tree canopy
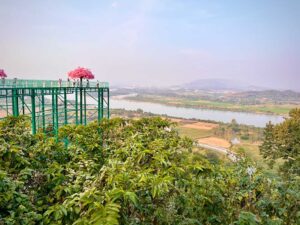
point(130, 172)
point(282, 141)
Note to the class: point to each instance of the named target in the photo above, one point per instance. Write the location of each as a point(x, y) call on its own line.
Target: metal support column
point(102, 100)
point(108, 103)
point(53, 110)
point(6, 102)
point(33, 122)
point(84, 104)
point(43, 111)
point(15, 102)
point(99, 105)
point(56, 113)
point(81, 112)
point(65, 107)
point(23, 101)
point(76, 105)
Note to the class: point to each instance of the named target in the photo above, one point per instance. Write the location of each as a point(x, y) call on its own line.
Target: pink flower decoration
point(81, 73)
point(2, 74)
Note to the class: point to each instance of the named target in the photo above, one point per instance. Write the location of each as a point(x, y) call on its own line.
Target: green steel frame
point(51, 104)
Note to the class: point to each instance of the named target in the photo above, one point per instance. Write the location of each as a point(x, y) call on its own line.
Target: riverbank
point(258, 120)
point(269, 109)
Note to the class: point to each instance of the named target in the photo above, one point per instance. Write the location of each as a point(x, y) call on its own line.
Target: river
point(258, 120)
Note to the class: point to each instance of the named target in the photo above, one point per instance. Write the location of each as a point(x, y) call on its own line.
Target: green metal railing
point(20, 83)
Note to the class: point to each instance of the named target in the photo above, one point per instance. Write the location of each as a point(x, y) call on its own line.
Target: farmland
point(266, 108)
point(266, 102)
point(212, 133)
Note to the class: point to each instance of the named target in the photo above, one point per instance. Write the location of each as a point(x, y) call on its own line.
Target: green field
point(247, 148)
point(194, 133)
point(280, 109)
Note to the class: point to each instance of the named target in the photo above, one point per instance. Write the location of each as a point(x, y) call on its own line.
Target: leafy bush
point(130, 172)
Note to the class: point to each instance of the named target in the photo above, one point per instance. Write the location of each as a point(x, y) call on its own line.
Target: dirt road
point(231, 155)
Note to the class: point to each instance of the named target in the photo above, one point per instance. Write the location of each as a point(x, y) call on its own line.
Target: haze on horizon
point(153, 42)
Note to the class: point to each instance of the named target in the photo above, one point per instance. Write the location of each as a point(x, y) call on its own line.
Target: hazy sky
point(153, 42)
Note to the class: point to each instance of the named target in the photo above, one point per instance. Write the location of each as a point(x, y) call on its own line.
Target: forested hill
point(131, 172)
point(258, 97)
point(268, 96)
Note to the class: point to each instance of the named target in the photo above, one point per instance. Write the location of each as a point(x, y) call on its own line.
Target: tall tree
point(282, 141)
point(268, 149)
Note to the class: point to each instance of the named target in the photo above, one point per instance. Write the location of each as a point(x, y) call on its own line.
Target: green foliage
point(130, 172)
point(282, 141)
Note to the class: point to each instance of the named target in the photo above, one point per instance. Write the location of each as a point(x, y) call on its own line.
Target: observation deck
point(53, 103)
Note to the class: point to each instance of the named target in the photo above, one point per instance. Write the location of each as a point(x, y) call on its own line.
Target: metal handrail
point(20, 83)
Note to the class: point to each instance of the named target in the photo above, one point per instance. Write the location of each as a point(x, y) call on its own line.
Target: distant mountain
point(220, 85)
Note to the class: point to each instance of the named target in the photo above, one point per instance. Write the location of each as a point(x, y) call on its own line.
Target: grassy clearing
point(201, 125)
point(212, 156)
point(249, 150)
point(282, 110)
point(215, 141)
point(194, 133)
point(252, 152)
